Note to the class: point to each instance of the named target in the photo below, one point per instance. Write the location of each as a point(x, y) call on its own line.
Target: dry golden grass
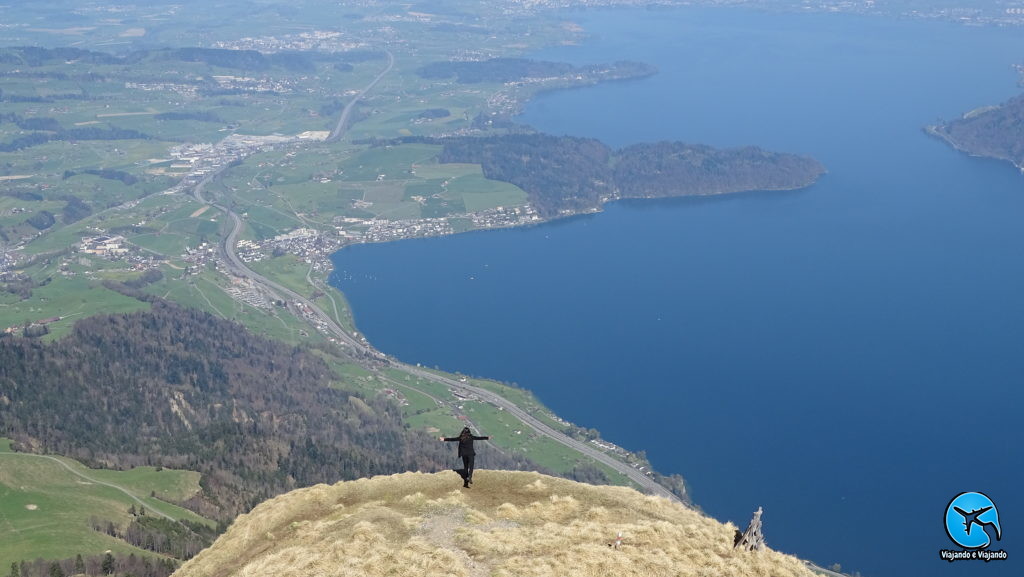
point(510, 524)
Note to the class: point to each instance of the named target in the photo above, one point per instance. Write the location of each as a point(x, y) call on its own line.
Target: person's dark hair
point(465, 432)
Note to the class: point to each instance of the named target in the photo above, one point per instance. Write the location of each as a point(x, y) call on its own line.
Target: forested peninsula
point(994, 131)
point(565, 174)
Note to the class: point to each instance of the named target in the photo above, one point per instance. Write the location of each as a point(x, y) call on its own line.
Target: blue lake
point(849, 356)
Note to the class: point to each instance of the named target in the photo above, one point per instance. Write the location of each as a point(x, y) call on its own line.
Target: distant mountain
point(508, 523)
point(993, 131)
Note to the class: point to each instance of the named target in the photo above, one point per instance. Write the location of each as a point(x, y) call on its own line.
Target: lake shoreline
point(739, 343)
point(938, 131)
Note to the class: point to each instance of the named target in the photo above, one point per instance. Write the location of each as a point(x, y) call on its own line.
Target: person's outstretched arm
point(475, 438)
point(448, 438)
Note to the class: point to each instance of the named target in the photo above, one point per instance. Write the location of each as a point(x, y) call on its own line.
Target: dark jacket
point(466, 443)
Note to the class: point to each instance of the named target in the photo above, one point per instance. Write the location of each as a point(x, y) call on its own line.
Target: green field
point(206, 291)
point(287, 270)
point(479, 193)
point(70, 299)
point(45, 509)
point(388, 182)
point(510, 435)
point(166, 244)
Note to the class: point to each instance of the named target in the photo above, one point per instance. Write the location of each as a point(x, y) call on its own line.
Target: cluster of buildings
point(185, 155)
point(316, 40)
point(305, 243)
point(104, 245)
point(199, 257)
point(504, 102)
point(313, 319)
point(249, 251)
point(246, 291)
point(249, 84)
point(351, 230)
point(114, 248)
point(386, 230)
point(203, 161)
point(187, 90)
point(610, 447)
point(502, 217)
point(6, 262)
point(462, 395)
point(13, 210)
point(396, 395)
point(39, 323)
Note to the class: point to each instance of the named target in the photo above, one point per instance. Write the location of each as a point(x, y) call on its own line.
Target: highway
point(227, 252)
point(339, 129)
point(239, 268)
point(529, 420)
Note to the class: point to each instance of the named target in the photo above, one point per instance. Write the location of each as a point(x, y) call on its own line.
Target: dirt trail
point(149, 506)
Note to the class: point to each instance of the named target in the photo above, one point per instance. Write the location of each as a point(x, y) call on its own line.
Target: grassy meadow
point(45, 509)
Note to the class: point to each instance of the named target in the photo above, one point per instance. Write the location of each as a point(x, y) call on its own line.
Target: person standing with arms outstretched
point(466, 451)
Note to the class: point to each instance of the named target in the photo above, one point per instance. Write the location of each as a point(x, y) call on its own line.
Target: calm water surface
point(848, 356)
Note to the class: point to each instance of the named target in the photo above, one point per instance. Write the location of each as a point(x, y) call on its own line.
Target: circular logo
point(967, 517)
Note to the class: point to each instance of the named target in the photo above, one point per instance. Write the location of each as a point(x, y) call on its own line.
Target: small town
point(113, 248)
point(388, 230)
point(187, 90)
point(249, 84)
point(315, 40)
point(205, 160)
point(6, 262)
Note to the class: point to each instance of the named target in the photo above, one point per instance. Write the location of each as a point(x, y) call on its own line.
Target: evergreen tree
point(108, 564)
point(79, 565)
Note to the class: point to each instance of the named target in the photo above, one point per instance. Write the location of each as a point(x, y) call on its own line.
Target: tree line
point(181, 539)
point(565, 174)
point(125, 178)
point(108, 565)
point(83, 133)
point(180, 388)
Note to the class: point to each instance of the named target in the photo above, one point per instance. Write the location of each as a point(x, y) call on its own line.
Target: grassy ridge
point(507, 524)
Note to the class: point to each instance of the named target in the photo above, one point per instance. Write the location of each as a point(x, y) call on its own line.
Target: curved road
point(529, 420)
point(540, 427)
point(238, 267)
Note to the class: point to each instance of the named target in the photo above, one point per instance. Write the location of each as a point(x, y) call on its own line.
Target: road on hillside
point(529, 420)
point(227, 251)
point(93, 480)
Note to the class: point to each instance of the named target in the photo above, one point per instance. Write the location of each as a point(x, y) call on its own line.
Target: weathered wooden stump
point(752, 539)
